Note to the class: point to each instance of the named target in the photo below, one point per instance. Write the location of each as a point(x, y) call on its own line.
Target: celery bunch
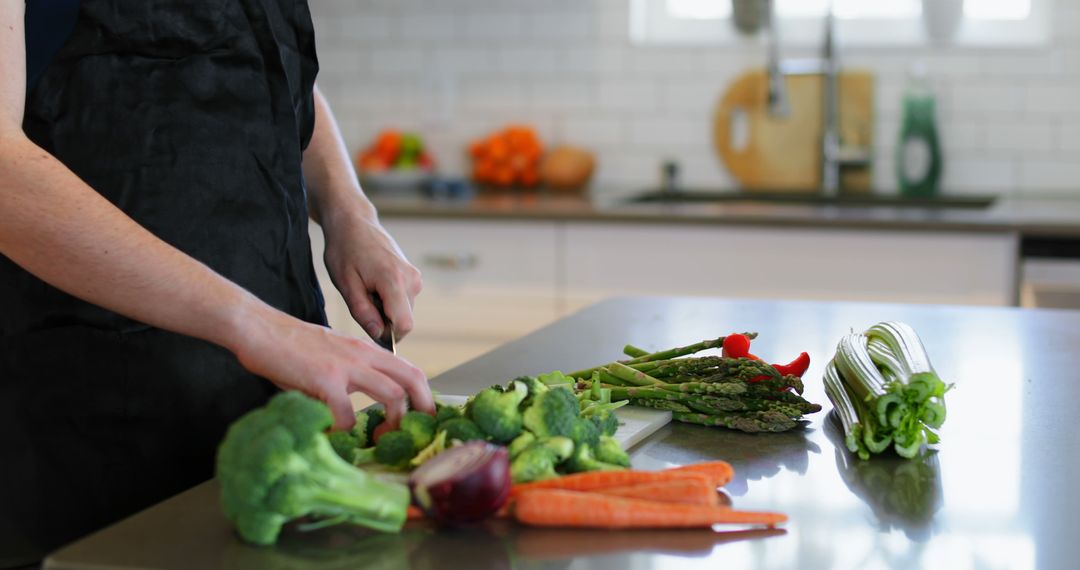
point(885, 391)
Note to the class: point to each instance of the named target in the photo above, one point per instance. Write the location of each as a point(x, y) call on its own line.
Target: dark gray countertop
point(998, 492)
point(1029, 216)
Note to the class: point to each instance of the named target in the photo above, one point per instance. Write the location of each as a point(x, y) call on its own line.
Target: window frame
point(650, 24)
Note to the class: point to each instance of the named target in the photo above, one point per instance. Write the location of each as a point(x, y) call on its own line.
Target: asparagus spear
point(750, 422)
point(664, 354)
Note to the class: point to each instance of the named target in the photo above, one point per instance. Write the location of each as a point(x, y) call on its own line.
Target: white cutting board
point(635, 423)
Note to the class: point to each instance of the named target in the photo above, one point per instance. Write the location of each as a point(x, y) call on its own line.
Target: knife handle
point(386, 340)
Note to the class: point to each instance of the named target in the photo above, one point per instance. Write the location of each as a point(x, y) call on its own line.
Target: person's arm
point(361, 257)
point(62, 231)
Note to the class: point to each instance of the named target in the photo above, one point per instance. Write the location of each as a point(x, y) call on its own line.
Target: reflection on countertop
point(902, 493)
point(1035, 216)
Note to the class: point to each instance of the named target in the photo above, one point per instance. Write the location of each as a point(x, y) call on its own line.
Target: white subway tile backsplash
point(983, 98)
point(590, 131)
point(575, 25)
point(1069, 137)
point(559, 95)
point(1025, 138)
point(487, 25)
point(431, 27)
point(397, 61)
point(528, 61)
point(1056, 99)
point(1050, 175)
point(670, 133)
point(975, 174)
point(632, 95)
point(456, 69)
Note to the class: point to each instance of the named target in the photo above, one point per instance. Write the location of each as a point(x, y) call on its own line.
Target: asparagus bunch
point(740, 393)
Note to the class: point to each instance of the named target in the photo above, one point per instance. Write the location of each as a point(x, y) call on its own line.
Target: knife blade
point(388, 339)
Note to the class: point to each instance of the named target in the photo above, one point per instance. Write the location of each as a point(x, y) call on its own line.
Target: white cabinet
point(488, 281)
point(604, 260)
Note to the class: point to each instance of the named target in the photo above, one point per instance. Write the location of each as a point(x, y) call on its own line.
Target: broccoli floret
point(520, 443)
point(583, 459)
point(462, 429)
point(344, 443)
point(445, 413)
point(605, 421)
point(495, 411)
point(375, 417)
point(276, 464)
point(554, 412)
point(609, 451)
point(395, 449)
point(535, 387)
point(585, 432)
point(556, 379)
point(347, 443)
point(538, 461)
point(419, 426)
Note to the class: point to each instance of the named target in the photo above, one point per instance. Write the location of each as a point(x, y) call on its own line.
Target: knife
point(388, 338)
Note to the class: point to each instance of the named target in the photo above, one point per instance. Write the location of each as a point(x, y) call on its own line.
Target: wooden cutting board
point(784, 154)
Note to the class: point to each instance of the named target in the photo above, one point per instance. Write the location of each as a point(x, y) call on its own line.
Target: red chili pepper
point(796, 367)
point(736, 346)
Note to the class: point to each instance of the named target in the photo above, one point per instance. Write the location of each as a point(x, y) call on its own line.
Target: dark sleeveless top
point(191, 116)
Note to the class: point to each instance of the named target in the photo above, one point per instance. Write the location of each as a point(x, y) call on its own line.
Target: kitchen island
point(997, 492)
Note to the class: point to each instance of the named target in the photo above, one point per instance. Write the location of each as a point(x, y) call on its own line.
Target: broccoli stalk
point(276, 465)
point(538, 461)
point(584, 459)
point(609, 451)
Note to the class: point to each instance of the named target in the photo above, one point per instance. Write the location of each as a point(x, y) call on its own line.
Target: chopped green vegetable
point(462, 429)
point(538, 461)
point(419, 426)
point(395, 449)
point(520, 443)
point(609, 451)
point(445, 413)
point(437, 446)
point(495, 411)
point(276, 464)
point(584, 459)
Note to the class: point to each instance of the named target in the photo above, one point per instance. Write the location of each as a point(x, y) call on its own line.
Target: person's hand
point(329, 365)
point(363, 259)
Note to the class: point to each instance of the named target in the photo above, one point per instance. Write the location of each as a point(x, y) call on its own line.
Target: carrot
point(414, 513)
point(556, 507)
point(719, 473)
point(689, 490)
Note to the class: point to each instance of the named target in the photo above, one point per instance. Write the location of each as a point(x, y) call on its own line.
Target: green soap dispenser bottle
point(918, 154)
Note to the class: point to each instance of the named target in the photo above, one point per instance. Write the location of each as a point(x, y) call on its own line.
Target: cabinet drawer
point(897, 266)
point(463, 255)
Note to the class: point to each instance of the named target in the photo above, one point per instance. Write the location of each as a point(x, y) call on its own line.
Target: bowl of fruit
point(395, 160)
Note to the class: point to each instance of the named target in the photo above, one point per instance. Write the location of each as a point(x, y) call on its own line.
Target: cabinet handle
point(451, 261)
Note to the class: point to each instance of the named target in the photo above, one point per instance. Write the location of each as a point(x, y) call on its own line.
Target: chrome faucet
point(833, 154)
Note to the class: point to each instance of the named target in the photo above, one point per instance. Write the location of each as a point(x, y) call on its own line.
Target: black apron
point(191, 116)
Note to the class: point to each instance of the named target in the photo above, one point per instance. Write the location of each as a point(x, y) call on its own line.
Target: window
point(860, 22)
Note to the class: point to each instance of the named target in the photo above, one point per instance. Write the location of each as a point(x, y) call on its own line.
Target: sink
point(974, 202)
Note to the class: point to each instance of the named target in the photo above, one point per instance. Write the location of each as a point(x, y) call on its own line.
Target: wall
point(456, 69)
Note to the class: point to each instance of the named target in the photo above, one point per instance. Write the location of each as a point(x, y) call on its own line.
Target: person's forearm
point(331, 180)
point(59, 229)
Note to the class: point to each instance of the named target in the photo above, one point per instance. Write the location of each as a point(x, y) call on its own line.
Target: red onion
point(463, 484)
